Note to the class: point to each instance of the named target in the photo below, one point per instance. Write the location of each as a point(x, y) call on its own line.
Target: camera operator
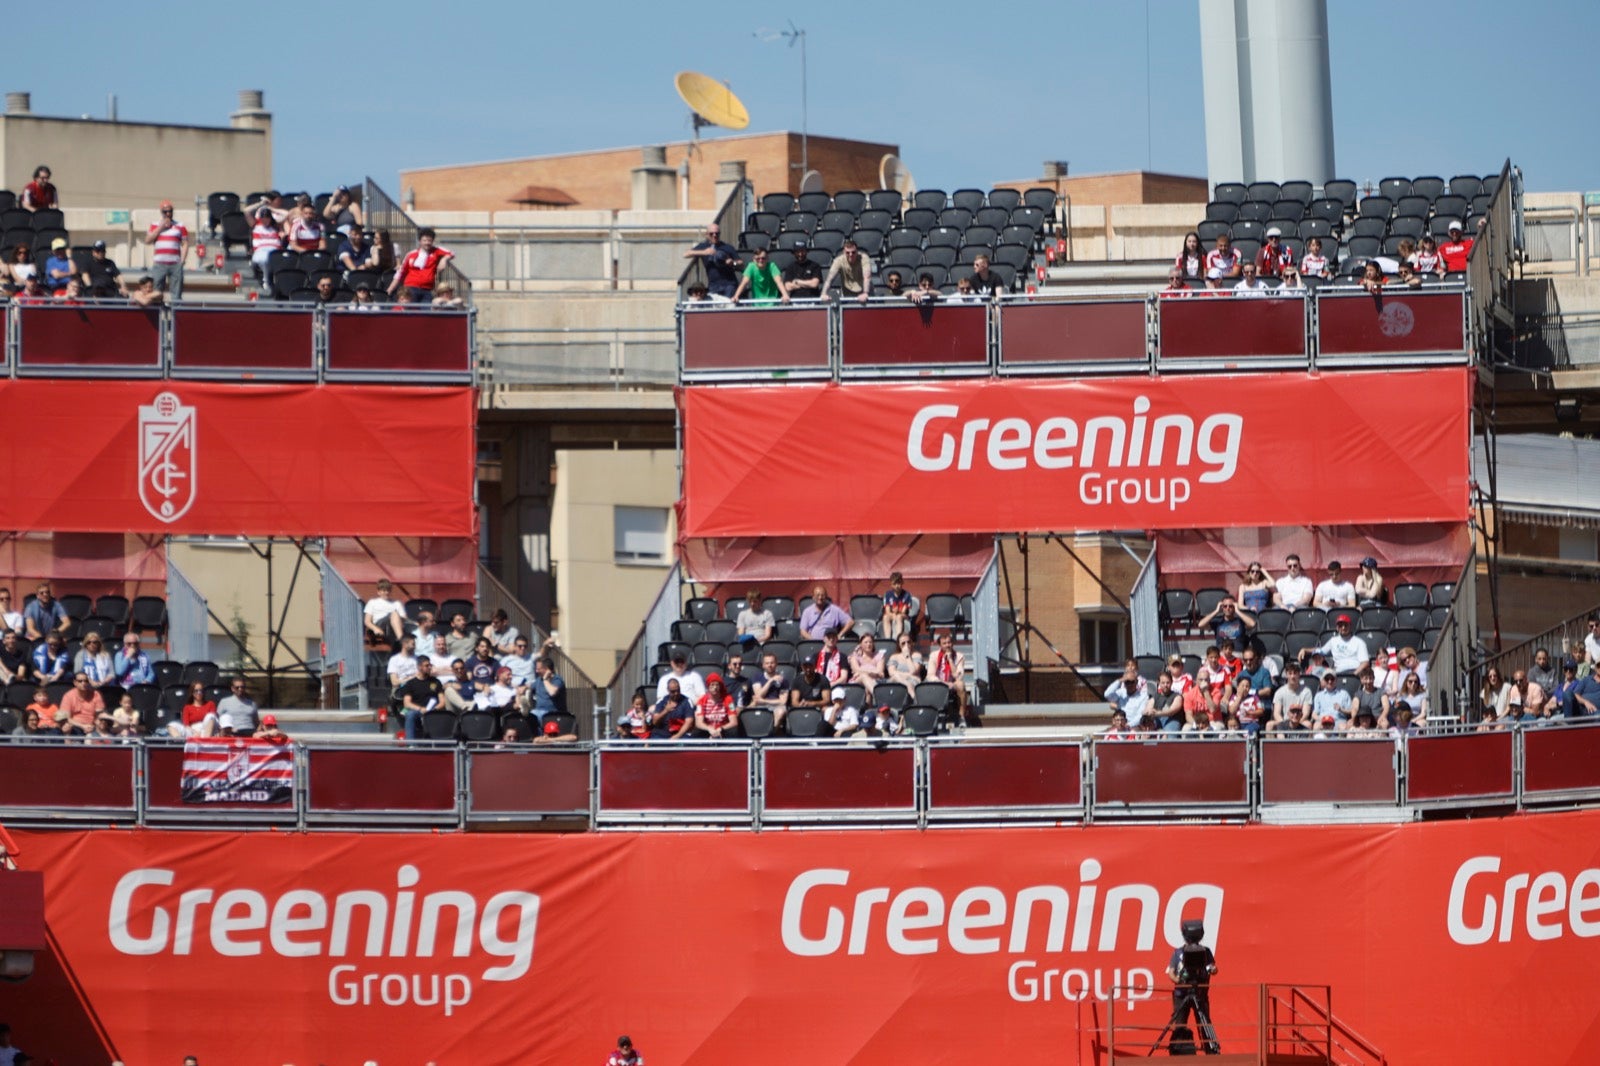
point(1191, 969)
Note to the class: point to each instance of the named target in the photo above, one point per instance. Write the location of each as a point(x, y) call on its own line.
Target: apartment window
point(1102, 640)
point(640, 534)
point(1578, 546)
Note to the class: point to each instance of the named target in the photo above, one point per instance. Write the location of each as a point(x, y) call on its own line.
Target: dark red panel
point(1362, 324)
point(1077, 332)
point(59, 775)
point(22, 910)
point(839, 778)
point(254, 338)
point(1471, 764)
point(382, 780)
point(399, 342)
point(772, 338)
point(531, 780)
point(93, 338)
point(904, 335)
point(1328, 771)
point(1170, 771)
point(676, 779)
point(1232, 328)
point(1555, 760)
point(164, 786)
point(1005, 776)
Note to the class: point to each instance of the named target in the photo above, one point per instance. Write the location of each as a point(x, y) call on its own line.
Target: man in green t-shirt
point(764, 280)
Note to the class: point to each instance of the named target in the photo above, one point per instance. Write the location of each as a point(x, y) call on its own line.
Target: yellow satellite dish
point(712, 102)
point(892, 174)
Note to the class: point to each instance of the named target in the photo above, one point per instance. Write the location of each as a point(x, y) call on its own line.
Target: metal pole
point(805, 155)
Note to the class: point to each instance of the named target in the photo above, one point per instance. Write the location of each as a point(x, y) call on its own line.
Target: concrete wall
point(603, 179)
point(602, 601)
point(133, 164)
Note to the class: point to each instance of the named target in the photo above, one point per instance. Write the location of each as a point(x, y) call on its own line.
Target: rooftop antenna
point(793, 35)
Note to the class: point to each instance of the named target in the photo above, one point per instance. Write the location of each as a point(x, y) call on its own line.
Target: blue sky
point(972, 93)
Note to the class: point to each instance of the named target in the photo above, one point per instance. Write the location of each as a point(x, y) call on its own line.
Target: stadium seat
point(853, 694)
point(517, 721)
point(901, 259)
point(1308, 620)
point(919, 218)
point(870, 242)
point(942, 610)
point(1210, 230)
point(1332, 211)
point(935, 694)
point(1467, 186)
point(1394, 188)
point(104, 627)
point(1439, 227)
point(1430, 188)
point(721, 631)
point(1274, 620)
point(781, 607)
point(1409, 594)
point(1391, 245)
point(904, 237)
point(888, 200)
point(1206, 600)
point(19, 694)
point(766, 222)
point(803, 722)
point(202, 671)
point(235, 232)
point(874, 219)
point(48, 218)
point(1010, 199)
point(1375, 207)
point(955, 217)
point(798, 221)
point(1268, 643)
point(1177, 606)
point(987, 236)
point(478, 727)
point(777, 203)
point(852, 200)
point(754, 240)
point(1364, 247)
point(782, 650)
point(938, 272)
point(921, 721)
point(709, 653)
point(1015, 256)
point(838, 221)
point(1379, 618)
point(1032, 217)
point(1151, 667)
point(1412, 227)
point(439, 724)
point(756, 723)
point(812, 203)
point(8, 200)
point(1438, 615)
point(219, 204)
point(969, 253)
point(1451, 206)
point(75, 605)
point(930, 199)
point(1405, 638)
point(944, 235)
point(972, 200)
point(806, 651)
point(891, 694)
point(1248, 230)
point(1299, 191)
point(148, 614)
point(1231, 192)
point(1441, 594)
point(285, 283)
point(1412, 207)
point(1412, 618)
point(1221, 211)
point(1288, 211)
point(1352, 266)
point(1264, 191)
point(9, 722)
point(1007, 276)
point(789, 240)
point(1430, 640)
point(701, 609)
point(1491, 185)
point(940, 256)
point(996, 217)
point(1254, 211)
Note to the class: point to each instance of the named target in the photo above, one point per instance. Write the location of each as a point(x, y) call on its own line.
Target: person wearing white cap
point(1274, 255)
point(1457, 250)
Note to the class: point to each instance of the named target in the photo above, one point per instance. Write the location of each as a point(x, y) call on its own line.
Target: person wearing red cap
point(1346, 653)
point(171, 240)
point(270, 732)
point(715, 716)
point(552, 734)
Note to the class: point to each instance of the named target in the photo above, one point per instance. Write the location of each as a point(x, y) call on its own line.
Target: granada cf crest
point(166, 457)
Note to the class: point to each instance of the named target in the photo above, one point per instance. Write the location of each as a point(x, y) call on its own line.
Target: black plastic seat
point(1254, 211)
point(777, 203)
point(765, 222)
point(955, 217)
point(1274, 620)
point(888, 200)
point(688, 631)
point(1409, 594)
point(803, 722)
point(1308, 620)
point(1232, 192)
point(782, 607)
point(1010, 199)
point(930, 199)
point(921, 219)
point(1221, 211)
point(756, 723)
point(1429, 187)
point(814, 203)
point(202, 671)
point(945, 236)
point(851, 200)
point(1031, 216)
point(838, 221)
point(1467, 186)
point(1206, 600)
point(708, 653)
point(798, 221)
point(1379, 618)
point(891, 694)
point(439, 724)
point(935, 694)
point(1442, 593)
point(100, 625)
point(1394, 188)
point(1412, 618)
point(478, 726)
point(701, 609)
point(921, 721)
point(1299, 191)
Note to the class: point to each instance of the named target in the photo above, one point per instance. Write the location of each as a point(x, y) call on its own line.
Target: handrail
point(731, 211)
point(384, 213)
point(1556, 639)
point(493, 595)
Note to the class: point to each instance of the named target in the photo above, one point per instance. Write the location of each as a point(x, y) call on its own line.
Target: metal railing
point(655, 629)
point(985, 623)
point(383, 213)
point(585, 699)
point(1556, 640)
point(344, 652)
point(738, 205)
point(188, 617)
point(1558, 341)
point(582, 358)
point(1144, 609)
point(1450, 662)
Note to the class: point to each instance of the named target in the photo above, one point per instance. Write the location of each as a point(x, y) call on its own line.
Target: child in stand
point(896, 608)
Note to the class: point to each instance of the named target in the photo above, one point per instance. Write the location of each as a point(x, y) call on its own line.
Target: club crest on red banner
point(167, 468)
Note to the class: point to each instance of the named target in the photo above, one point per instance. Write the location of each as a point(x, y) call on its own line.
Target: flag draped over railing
point(238, 770)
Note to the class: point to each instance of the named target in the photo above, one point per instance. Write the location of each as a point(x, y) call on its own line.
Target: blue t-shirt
point(51, 265)
point(543, 702)
point(45, 618)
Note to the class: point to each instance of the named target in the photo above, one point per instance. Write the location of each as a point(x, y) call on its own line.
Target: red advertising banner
point(1112, 453)
point(974, 946)
point(227, 459)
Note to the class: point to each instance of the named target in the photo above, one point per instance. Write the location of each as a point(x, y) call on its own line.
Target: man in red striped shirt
point(418, 271)
point(171, 240)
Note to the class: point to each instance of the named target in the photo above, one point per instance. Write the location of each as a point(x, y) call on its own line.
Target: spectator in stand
point(362, 299)
point(482, 665)
point(51, 663)
point(458, 687)
point(32, 725)
point(1334, 590)
point(755, 622)
point(52, 719)
point(1562, 692)
point(266, 237)
point(237, 712)
point(82, 703)
point(1294, 587)
point(811, 689)
point(1456, 250)
point(1372, 278)
point(721, 261)
point(673, 716)
point(1291, 280)
point(272, 203)
point(1591, 642)
point(16, 664)
point(126, 718)
point(1314, 264)
point(924, 294)
point(460, 640)
point(72, 294)
point(1190, 264)
point(1129, 694)
point(963, 293)
point(199, 714)
point(764, 281)
point(803, 277)
point(883, 721)
point(20, 269)
point(383, 248)
point(1175, 284)
point(419, 696)
point(1346, 654)
point(1222, 262)
point(699, 294)
point(735, 682)
point(425, 631)
point(303, 232)
point(1249, 283)
point(58, 269)
point(1331, 706)
point(1293, 722)
point(950, 666)
point(1543, 672)
point(1246, 706)
point(402, 667)
point(853, 270)
point(1228, 621)
point(171, 240)
point(894, 284)
point(1369, 698)
point(635, 721)
point(356, 252)
point(625, 1054)
point(771, 691)
point(145, 293)
point(446, 297)
point(905, 666)
point(342, 212)
point(500, 633)
point(1496, 692)
point(39, 194)
point(418, 272)
point(95, 662)
point(501, 693)
point(33, 292)
point(1119, 728)
point(1427, 259)
point(10, 620)
point(1215, 681)
point(896, 607)
point(1369, 584)
point(439, 655)
point(1166, 706)
point(831, 662)
point(1257, 673)
point(1585, 696)
point(985, 282)
point(1274, 255)
point(45, 614)
point(715, 715)
point(690, 683)
point(1530, 696)
point(549, 690)
point(821, 615)
point(1411, 701)
point(384, 616)
point(1293, 694)
point(270, 732)
point(867, 666)
point(1407, 276)
point(519, 661)
point(327, 292)
point(103, 731)
point(1255, 591)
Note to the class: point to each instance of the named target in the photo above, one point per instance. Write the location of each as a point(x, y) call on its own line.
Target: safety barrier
point(236, 341)
point(901, 781)
point(1100, 333)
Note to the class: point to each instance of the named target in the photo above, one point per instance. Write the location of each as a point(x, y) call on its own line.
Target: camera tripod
point(1196, 998)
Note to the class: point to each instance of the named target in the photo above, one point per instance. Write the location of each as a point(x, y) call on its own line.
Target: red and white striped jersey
point(304, 235)
point(169, 242)
point(264, 236)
